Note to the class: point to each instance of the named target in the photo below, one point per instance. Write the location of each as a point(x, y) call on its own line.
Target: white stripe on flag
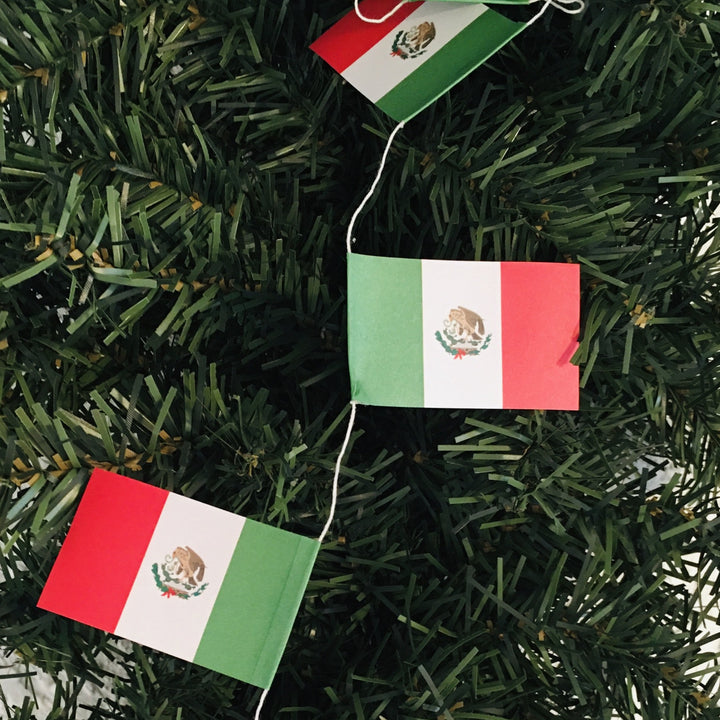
point(473, 381)
point(172, 624)
point(376, 72)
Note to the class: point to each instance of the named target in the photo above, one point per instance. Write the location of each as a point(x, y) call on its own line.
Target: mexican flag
point(408, 61)
point(458, 334)
point(180, 576)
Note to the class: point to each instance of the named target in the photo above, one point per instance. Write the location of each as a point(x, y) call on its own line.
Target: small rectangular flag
point(180, 576)
point(458, 334)
point(408, 61)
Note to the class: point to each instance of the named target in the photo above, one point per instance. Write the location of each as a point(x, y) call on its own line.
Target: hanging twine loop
point(377, 21)
point(571, 7)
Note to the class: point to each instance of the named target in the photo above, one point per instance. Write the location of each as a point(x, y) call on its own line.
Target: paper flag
point(408, 61)
point(457, 334)
point(181, 576)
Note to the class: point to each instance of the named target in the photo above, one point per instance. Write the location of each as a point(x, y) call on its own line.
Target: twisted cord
point(261, 703)
point(571, 7)
point(336, 477)
point(350, 239)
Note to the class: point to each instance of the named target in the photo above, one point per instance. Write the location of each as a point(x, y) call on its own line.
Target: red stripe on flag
point(351, 37)
point(540, 327)
point(98, 562)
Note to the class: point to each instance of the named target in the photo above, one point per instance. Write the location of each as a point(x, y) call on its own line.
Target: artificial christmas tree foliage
point(175, 183)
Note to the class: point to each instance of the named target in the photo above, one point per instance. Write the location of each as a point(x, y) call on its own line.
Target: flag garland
point(134, 560)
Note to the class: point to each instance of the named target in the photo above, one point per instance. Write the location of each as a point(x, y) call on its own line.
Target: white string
point(338, 464)
point(330, 519)
point(261, 703)
point(350, 239)
point(547, 4)
point(571, 7)
point(566, 6)
point(378, 20)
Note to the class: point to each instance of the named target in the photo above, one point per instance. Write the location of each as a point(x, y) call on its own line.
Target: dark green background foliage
point(175, 184)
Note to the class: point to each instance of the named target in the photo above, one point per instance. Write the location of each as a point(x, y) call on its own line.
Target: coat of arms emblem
point(413, 42)
point(180, 574)
point(463, 333)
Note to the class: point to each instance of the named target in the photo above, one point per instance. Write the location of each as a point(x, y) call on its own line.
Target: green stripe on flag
point(253, 615)
point(458, 58)
point(385, 345)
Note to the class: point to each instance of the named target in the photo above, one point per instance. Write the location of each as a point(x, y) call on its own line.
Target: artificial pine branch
point(175, 181)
